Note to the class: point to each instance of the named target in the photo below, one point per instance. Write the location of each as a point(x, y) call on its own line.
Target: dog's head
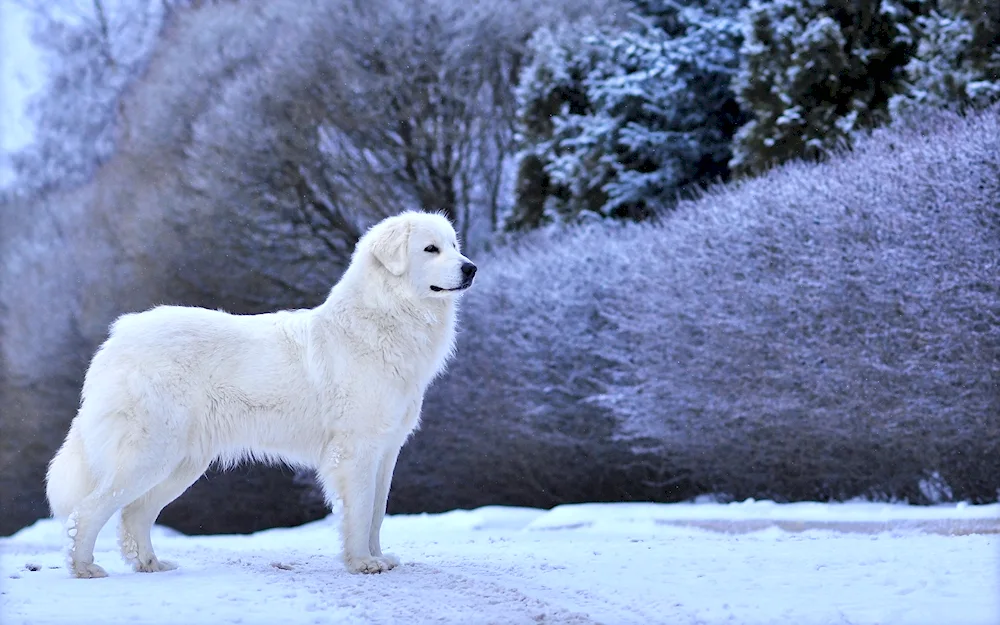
point(422, 248)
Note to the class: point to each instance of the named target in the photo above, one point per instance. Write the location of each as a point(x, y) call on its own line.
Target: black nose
point(468, 270)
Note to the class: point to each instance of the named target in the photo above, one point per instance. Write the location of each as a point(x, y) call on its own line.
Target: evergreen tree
point(615, 122)
point(666, 14)
point(551, 86)
point(813, 71)
point(957, 60)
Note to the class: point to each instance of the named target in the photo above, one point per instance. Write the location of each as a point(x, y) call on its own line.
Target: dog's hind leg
point(138, 518)
point(123, 478)
point(85, 523)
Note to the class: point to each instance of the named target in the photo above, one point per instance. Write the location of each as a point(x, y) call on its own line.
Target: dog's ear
point(390, 245)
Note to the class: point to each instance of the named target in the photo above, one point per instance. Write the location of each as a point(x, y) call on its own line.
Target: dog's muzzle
point(468, 274)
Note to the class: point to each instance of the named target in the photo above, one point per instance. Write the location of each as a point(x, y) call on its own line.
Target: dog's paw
point(153, 566)
point(372, 564)
point(390, 559)
point(84, 570)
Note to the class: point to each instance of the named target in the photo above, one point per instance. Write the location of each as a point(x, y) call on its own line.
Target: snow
point(22, 74)
point(748, 562)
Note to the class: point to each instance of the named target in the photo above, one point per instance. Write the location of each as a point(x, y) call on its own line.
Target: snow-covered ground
point(751, 562)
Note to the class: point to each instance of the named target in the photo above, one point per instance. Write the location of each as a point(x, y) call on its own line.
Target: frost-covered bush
point(614, 121)
point(825, 331)
point(956, 63)
point(814, 71)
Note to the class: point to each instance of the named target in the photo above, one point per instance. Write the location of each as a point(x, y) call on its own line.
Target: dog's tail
point(69, 479)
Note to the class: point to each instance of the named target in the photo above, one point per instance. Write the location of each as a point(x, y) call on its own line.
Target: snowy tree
point(614, 122)
point(550, 89)
point(814, 71)
point(667, 14)
point(957, 60)
point(427, 117)
point(94, 48)
point(409, 105)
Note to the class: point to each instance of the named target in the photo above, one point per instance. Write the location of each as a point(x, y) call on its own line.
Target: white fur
point(338, 388)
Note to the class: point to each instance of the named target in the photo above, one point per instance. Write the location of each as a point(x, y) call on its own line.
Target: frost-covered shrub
point(613, 121)
point(814, 71)
point(825, 331)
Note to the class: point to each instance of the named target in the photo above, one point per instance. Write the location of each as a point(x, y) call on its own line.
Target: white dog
point(338, 388)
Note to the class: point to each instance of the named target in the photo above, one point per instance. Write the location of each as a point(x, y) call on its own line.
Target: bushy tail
point(69, 479)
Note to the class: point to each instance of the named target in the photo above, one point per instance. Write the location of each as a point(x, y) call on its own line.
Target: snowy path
point(603, 563)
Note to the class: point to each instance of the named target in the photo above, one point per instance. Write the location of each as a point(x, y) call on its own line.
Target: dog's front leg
point(382, 483)
point(354, 480)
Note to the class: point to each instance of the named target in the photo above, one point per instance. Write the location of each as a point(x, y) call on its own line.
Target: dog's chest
point(412, 359)
point(398, 414)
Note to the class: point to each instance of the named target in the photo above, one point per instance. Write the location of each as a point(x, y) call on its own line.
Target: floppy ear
point(390, 245)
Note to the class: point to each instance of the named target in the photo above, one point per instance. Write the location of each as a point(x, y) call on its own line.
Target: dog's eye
point(431, 249)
